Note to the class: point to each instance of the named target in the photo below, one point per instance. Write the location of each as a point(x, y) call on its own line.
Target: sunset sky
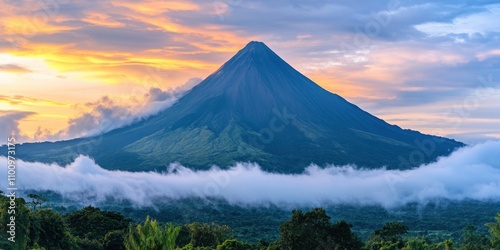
point(68, 65)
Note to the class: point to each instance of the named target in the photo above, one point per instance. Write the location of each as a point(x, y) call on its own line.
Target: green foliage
point(436, 220)
point(37, 247)
point(305, 230)
point(494, 228)
point(21, 212)
point(44, 229)
point(262, 244)
point(445, 245)
point(151, 236)
point(392, 231)
point(273, 246)
point(114, 240)
point(471, 240)
point(234, 245)
point(48, 229)
point(36, 200)
point(422, 243)
point(387, 237)
point(208, 235)
point(84, 244)
point(184, 237)
point(417, 243)
point(92, 223)
point(190, 247)
point(314, 230)
point(343, 237)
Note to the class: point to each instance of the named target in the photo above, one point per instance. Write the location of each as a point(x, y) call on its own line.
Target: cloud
point(9, 124)
point(12, 68)
point(474, 24)
point(106, 114)
point(474, 138)
point(30, 101)
point(469, 173)
point(94, 118)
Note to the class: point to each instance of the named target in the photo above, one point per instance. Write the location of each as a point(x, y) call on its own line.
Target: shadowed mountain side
point(255, 108)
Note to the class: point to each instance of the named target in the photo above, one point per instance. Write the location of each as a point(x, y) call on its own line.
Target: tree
point(305, 230)
point(94, 224)
point(472, 240)
point(389, 236)
point(114, 240)
point(184, 236)
point(20, 226)
point(36, 200)
point(392, 231)
point(314, 230)
point(494, 228)
point(84, 244)
point(151, 236)
point(208, 235)
point(234, 245)
point(48, 229)
point(446, 245)
point(343, 237)
point(417, 243)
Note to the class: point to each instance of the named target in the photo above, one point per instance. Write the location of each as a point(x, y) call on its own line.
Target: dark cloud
point(126, 38)
point(3, 43)
point(449, 82)
point(13, 68)
point(285, 20)
point(133, 36)
point(158, 95)
point(434, 83)
point(415, 98)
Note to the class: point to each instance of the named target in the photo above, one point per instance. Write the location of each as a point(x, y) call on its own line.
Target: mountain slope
point(254, 108)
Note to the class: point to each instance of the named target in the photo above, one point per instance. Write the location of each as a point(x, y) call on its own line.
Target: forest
point(38, 226)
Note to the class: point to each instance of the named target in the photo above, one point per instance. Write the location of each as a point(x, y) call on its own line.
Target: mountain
point(255, 108)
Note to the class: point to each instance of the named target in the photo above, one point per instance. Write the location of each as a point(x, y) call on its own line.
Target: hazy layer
point(469, 173)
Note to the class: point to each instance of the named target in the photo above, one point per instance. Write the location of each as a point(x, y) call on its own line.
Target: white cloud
point(105, 114)
point(469, 173)
point(478, 23)
point(9, 124)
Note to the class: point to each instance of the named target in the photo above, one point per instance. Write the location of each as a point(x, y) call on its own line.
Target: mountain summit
point(254, 108)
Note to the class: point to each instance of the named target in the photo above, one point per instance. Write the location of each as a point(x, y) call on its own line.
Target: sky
point(68, 66)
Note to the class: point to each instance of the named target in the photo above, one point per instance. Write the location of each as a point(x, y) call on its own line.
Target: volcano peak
point(255, 45)
point(255, 108)
point(257, 52)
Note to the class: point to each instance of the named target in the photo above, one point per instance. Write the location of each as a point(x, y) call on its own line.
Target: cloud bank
point(100, 116)
point(105, 114)
point(469, 173)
